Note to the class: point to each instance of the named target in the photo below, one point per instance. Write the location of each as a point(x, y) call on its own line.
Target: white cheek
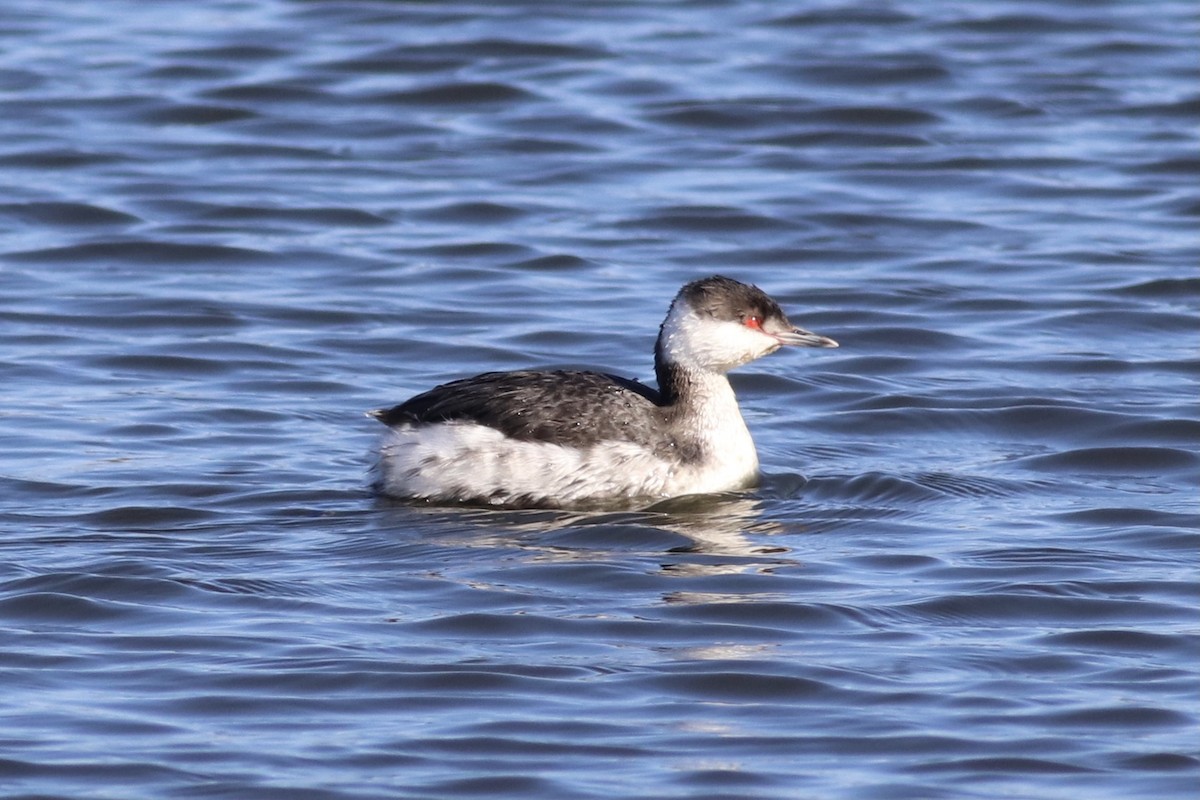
point(715, 345)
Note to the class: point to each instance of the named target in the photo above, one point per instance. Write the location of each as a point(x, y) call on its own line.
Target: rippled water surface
point(227, 229)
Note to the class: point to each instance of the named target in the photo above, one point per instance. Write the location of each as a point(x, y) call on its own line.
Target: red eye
point(754, 323)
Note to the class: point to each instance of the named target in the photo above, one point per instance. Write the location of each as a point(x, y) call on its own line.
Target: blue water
point(227, 229)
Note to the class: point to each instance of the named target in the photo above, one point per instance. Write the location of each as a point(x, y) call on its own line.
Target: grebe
point(557, 438)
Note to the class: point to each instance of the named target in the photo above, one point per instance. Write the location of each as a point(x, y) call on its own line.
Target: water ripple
point(230, 229)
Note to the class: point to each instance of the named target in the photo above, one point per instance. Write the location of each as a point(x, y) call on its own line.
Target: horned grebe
point(565, 438)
